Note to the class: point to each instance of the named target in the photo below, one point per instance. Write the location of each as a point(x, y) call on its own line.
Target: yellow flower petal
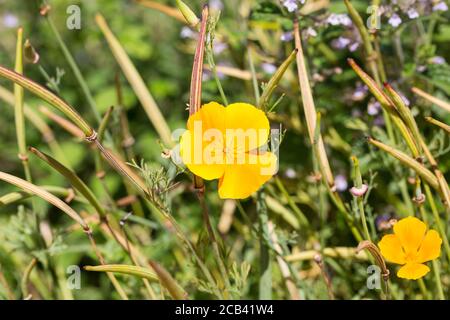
point(411, 232)
point(211, 116)
point(413, 271)
point(241, 180)
point(391, 249)
point(205, 161)
point(430, 248)
point(247, 127)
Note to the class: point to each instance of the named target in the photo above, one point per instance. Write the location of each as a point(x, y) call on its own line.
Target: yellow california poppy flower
point(224, 143)
point(411, 245)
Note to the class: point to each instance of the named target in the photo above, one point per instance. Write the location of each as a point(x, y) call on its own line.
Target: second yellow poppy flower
point(411, 245)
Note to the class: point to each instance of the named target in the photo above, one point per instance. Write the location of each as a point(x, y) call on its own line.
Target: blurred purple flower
point(437, 60)
point(268, 68)
point(395, 20)
point(339, 19)
point(219, 47)
point(341, 183)
point(412, 13)
point(216, 5)
point(360, 92)
point(440, 6)
point(207, 75)
point(287, 36)
point(187, 33)
point(373, 108)
point(383, 222)
point(10, 20)
point(291, 5)
point(404, 98)
point(340, 43)
point(353, 47)
point(290, 173)
point(309, 32)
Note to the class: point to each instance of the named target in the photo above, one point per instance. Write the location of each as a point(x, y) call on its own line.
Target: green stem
point(73, 65)
point(182, 236)
point(254, 78)
point(437, 220)
point(26, 276)
point(214, 242)
point(265, 278)
point(435, 265)
point(423, 288)
point(216, 77)
point(360, 199)
point(300, 215)
point(437, 277)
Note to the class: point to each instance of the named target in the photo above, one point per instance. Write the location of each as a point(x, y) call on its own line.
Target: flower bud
point(44, 10)
point(29, 53)
point(188, 14)
point(359, 192)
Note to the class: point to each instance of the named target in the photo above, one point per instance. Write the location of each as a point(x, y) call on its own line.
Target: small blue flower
point(216, 5)
point(219, 47)
point(10, 20)
point(290, 173)
point(341, 183)
point(268, 68)
point(437, 60)
point(291, 5)
point(395, 20)
point(360, 92)
point(341, 42)
point(412, 13)
point(187, 33)
point(440, 6)
point(339, 19)
point(287, 36)
point(373, 108)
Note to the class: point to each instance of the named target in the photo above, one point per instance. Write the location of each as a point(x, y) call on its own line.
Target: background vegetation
point(38, 244)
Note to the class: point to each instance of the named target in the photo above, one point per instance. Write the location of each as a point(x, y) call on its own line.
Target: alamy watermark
point(73, 21)
point(73, 281)
point(374, 20)
point(373, 281)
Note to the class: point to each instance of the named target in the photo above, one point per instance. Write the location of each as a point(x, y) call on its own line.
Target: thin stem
point(110, 275)
point(265, 278)
point(437, 277)
point(213, 239)
point(423, 289)
point(133, 258)
point(19, 109)
point(73, 65)
point(212, 65)
point(437, 220)
point(24, 283)
point(210, 57)
point(318, 259)
point(300, 215)
point(360, 199)
point(182, 236)
point(254, 78)
point(435, 265)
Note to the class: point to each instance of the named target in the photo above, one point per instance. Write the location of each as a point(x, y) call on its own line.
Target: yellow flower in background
point(411, 246)
point(223, 143)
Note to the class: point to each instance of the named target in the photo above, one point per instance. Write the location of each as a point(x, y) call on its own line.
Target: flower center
point(411, 256)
